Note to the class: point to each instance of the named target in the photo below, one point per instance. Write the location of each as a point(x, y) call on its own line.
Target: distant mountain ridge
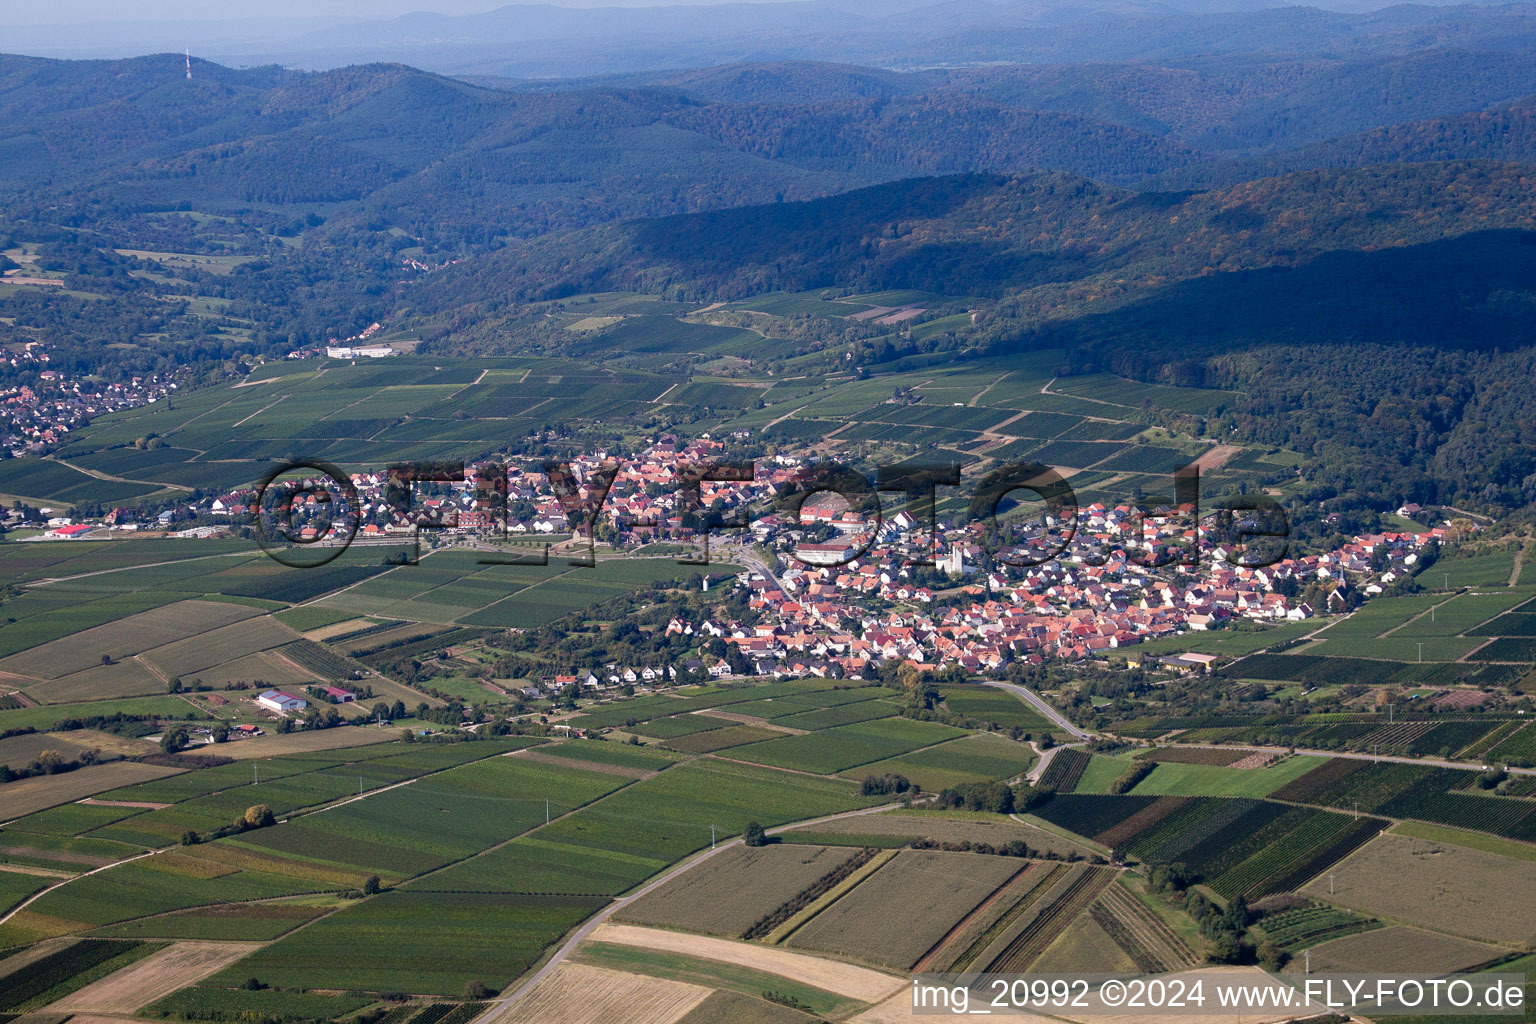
point(457, 164)
point(544, 41)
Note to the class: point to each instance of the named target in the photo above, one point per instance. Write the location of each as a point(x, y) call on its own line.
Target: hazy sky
point(67, 12)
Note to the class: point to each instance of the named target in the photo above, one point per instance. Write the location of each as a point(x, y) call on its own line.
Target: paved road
point(500, 1006)
point(744, 554)
point(1043, 706)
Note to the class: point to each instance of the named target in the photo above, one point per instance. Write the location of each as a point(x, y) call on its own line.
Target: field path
point(99, 475)
point(976, 398)
point(38, 895)
point(786, 416)
point(1042, 705)
point(146, 804)
point(580, 935)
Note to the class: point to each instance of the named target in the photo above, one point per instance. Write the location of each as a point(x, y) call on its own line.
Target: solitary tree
point(755, 836)
point(173, 740)
point(259, 816)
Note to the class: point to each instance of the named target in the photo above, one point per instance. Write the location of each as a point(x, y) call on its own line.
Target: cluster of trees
point(1137, 771)
point(1012, 848)
point(49, 762)
point(1226, 928)
point(994, 797)
point(256, 816)
point(887, 785)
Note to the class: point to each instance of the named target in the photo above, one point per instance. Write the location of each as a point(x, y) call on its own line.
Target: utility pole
point(1421, 652)
point(1330, 883)
point(711, 837)
point(255, 774)
point(546, 810)
point(1308, 955)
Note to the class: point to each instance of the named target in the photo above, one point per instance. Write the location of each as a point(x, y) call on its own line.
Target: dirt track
point(844, 979)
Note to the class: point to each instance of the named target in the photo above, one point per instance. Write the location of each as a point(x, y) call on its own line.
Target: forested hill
point(1505, 134)
point(451, 165)
point(1043, 242)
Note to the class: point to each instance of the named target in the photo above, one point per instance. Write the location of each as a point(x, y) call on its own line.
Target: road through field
point(502, 1005)
point(1042, 705)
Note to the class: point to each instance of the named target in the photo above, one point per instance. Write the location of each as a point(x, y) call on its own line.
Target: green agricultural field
point(624, 839)
point(743, 699)
point(150, 886)
point(622, 755)
point(56, 852)
point(729, 893)
point(1209, 780)
point(228, 922)
point(469, 808)
point(1471, 840)
point(1476, 571)
point(15, 887)
point(1463, 612)
point(722, 739)
point(978, 758)
point(1381, 614)
point(310, 617)
point(842, 714)
point(1398, 647)
point(1101, 772)
point(206, 1002)
point(844, 747)
point(395, 942)
point(71, 819)
point(997, 706)
point(1233, 643)
point(678, 725)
